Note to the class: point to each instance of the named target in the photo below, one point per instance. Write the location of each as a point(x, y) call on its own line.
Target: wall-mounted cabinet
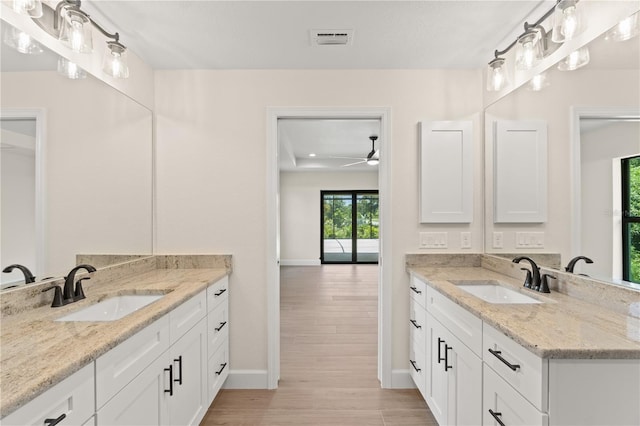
point(446, 172)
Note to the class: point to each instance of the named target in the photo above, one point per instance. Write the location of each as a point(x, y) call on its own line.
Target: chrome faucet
point(69, 294)
point(572, 263)
point(534, 282)
point(28, 276)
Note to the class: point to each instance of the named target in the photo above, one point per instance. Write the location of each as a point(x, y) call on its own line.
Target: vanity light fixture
point(529, 49)
point(70, 69)
point(576, 59)
point(31, 8)
point(539, 82)
point(75, 30)
point(21, 41)
point(115, 60)
point(625, 29)
point(567, 20)
point(497, 74)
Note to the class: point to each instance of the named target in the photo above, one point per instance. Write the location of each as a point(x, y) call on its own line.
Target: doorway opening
point(349, 227)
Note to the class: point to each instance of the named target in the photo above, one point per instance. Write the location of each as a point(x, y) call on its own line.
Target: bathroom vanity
point(539, 359)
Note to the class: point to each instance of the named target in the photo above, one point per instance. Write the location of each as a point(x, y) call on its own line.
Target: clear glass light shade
point(539, 82)
point(528, 51)
point(32, 8)
point(115, 60)
point(576, 59)
point(21, 41)
point(76, 31)
point(567, 21)
point(626, 29)
point(497, 75)
point(70, 69)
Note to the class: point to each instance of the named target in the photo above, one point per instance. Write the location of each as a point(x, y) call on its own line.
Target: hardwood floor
point(328, 358)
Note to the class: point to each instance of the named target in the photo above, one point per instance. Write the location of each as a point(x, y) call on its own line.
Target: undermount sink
point(112, 309)
point(492, 292)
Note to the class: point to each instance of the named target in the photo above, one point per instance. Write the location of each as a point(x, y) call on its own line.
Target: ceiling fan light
point(21, 41)
point(32, 8)
point(373, 161)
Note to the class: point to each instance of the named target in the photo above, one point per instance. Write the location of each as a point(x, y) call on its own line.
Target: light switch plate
point(433, 240)
point(498, 240)
point(465, 240)
point(529, 239)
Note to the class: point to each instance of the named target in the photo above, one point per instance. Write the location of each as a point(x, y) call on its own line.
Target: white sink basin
point(112, 309)
point(491, 292)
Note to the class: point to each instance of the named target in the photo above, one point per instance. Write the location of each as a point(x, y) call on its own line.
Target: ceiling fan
point(372, 158)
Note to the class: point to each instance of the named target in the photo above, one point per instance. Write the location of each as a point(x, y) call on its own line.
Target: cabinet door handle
point(170, 390)
point(219, 372)
point(415, 290)
point(440, 341)
point(514, 367)
point(222, 324)
point(496, 416)
point(413, 364)
point(446, 357)
point(179, 361)
point(53, 422)
point(415, 323)
point(220, 292)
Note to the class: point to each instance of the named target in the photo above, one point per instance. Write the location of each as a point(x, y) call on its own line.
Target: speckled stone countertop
point(38, 352)
point(561, 327)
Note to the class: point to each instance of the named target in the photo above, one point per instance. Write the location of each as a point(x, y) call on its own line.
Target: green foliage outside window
point(338, 220)
point(634, 211)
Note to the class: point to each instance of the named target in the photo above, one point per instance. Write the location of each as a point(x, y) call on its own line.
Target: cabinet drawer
point(217, 327)
point(187, 315)
point(507, 404)
point(418, 368)
point(417, 323)
point(119, 366)
point(527, 373)
point(217, 293)
point(73, 397)
point(218, 368)
point(463, 324)
point(418, 290)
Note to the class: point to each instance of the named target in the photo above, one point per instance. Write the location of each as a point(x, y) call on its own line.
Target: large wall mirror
point(592, 121)
point(76, 168)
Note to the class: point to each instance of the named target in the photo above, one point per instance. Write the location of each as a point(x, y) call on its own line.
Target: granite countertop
point(38, 352)
point(561, 327)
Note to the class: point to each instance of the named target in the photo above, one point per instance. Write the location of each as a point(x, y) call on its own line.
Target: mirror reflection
point(76, 168)
point(591, 116)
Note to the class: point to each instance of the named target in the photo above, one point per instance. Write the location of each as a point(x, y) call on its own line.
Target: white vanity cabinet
point(70, 402)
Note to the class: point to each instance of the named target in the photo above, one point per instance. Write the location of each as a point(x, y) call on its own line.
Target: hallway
point(328, 358)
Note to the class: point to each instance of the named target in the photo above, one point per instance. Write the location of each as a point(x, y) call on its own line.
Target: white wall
point(211, 171)
point(98, 165)
point(599, 145)
point(583, 87)
point(300, 210)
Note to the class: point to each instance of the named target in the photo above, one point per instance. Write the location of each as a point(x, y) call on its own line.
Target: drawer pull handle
point(415, 289)
point(170, 390)
point(413, 364)
point(440, 341)
point(496, 416)
point(219, 372)
point(446, 357)
point(514, 367)
point(179, 379)
point(222, 324)
point(220, 292)
point(415, 323)
point(53, 422)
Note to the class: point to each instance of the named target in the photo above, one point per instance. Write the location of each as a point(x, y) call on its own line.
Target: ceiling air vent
point(331, 37)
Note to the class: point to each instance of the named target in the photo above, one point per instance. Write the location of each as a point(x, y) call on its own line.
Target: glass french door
point(349, 227)
point(631, 219)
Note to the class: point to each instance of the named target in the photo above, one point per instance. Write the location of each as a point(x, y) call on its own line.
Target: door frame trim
point(273, 238)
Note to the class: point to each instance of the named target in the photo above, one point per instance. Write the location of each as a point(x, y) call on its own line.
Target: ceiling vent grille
point(331, 37)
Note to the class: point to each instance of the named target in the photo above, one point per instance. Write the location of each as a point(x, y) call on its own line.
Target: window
point(631, 219)
point(349, 227)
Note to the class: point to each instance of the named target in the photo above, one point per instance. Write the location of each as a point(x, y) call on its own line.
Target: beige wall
point(212, 166)
point(300, 209)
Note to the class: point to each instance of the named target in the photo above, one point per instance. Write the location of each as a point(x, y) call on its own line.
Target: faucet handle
point(527, 280)
point(79, 292)
point(57, 296)
point(544, 285)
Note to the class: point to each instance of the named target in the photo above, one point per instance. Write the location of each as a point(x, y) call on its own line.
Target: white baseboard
point(401, 379)
point(246, 379)
point(299, 262)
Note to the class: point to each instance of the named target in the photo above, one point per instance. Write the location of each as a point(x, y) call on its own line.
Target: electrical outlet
point(465, 240)
point(498, 240)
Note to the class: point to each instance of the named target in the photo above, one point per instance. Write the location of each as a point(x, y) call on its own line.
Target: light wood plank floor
point(328, 358)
